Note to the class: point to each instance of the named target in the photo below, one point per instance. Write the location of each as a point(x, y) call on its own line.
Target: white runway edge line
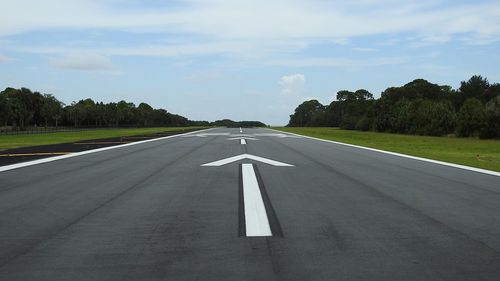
point(51, 159)
point(243, 141)
point(256, 221)
point(478, 170)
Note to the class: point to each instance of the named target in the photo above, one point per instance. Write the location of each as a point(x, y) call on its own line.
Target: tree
point(4, 109)
point(492, 119)
point(125, 112)
point(345, 95)
point(363, 95)
point(145, 113)
point(51, 109)
point(400, 117)
point(110, 114)
point(76, 113)
point(304, 113)
point(476, 87)
point(433, 118)
point(333, 114)
point(354, 107)
point(16, 109)
point(22, 107)
point(470, 118)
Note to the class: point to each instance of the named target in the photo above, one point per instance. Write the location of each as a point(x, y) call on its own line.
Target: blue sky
point(244, 60)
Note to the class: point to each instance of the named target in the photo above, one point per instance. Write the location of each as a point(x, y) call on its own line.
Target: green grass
point(478, 153)
point(15, 141)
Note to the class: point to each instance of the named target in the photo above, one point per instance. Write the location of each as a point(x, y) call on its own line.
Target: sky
point(243, 60)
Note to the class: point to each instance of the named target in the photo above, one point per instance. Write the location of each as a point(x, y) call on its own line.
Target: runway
point(255, 204)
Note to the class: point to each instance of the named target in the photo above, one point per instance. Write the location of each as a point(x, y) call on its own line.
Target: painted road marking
point(256, 221)
point(225, 161)
point(463, 167)
point(70, 155)
point(197, 135)
point(33, 154)
point(241, 131)
point(242, 137)
point(215, 134)
point(204, 135)
point(104, 142)
point(275, 135)
point(243, 141)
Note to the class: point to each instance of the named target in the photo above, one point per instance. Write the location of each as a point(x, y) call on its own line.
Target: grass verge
point(15, 141)
point(477, 153)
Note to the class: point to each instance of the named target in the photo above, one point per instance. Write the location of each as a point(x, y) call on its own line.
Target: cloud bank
point(86, 62)
point(252, 28)
point(292, 84)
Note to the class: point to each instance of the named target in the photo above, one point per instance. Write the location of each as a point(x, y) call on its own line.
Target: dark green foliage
point(305, 114)
point(477, 87)
point(433, 118)
point(235, 124)
point(491, 127)
point(20, 108)
point(471, 118)
point(419, 107)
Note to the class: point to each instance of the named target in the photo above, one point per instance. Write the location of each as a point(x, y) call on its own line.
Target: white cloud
point(281, 20)
point(292, 84)
point(338, 62)
point(244, 49)
point(203, 78)
point(83, 61)
point(340, 41)
point(362, 49)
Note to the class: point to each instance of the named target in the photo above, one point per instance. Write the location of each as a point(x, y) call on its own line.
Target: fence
point(47, 130)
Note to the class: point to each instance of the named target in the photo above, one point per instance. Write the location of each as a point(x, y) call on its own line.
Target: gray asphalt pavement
point(152, 212)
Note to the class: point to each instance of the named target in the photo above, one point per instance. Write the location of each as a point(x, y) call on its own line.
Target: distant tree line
point(419, 107)
point(23, 108)
point(231, 123)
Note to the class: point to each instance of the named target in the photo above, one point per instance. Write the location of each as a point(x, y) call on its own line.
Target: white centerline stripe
point(256, 221)
point(243, 141)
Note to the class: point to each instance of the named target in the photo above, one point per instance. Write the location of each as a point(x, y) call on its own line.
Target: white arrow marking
point(243, 141)
point(241, 131)
point(256, 221)
point(246, 156)
point(242, 138)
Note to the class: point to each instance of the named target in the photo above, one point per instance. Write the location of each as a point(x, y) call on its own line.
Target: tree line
point(419, 107)
point(235, 124)
point(23, 108)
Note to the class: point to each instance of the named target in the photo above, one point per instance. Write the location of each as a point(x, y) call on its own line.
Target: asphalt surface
point(29, 153)
point(151, 212)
